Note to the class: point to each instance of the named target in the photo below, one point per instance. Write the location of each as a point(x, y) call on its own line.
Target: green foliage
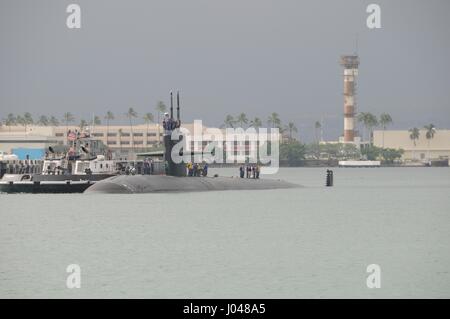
point(229, 121)
point(256, 123)
point(430, 131)
point(241, 119)
point(53, 121)
point(68, 118)
point(274, 120)
point(388, 155)
point(293, 153)
point(385, 120)
point(43, 120)
point(97, 120)
point(414, 134)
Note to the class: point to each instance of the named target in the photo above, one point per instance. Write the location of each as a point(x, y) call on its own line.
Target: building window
point(125, 134)
point(151, 134)
point(97, 134)
point(112, 134)
point(112, 142)
point(138, 134)
point(59, 134)
point(125, 142)
point(138, 142)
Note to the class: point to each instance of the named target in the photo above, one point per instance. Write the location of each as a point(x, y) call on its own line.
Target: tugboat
point(73, 172)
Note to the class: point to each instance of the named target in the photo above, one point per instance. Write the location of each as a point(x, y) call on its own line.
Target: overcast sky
point(227, 57)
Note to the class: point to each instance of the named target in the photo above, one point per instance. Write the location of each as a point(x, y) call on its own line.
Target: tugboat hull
point(44, 187)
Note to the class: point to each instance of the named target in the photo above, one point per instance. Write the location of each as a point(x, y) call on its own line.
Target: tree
point(108, 117)
point(82, 124)
point(371, 152)
point(53, 121)
point(414, 135)
point(130, 115)
point(20, 121)
point(385, 120)
point(274, 120)
point(27, 119)
point(148, 118)
point(293, 153)
point(430, 131)
point(389, 155)
point(10, 121)
point(96, 120)
point(43, 121)
point(369, 121)
point(291, 128)
point(229, 121)
point(242, 119)
point(160, 108)
point(317, 128)
point(68, 118)
point(256, 123)
point(120, 132)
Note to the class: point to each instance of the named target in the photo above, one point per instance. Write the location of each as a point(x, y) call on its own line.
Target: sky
point(227, 57)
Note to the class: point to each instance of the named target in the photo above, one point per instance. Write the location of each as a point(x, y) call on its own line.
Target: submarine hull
point(126, 184)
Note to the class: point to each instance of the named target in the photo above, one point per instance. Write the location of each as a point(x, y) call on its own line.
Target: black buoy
point(329, 178)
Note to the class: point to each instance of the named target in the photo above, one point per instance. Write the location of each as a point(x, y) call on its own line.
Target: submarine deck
point(127, 184)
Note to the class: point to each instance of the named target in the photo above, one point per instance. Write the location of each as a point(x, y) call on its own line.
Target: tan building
point(117, 137)
point(33, 137)
point(420, 149)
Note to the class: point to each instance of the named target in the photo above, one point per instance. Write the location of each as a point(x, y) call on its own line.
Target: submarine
point(175, 179)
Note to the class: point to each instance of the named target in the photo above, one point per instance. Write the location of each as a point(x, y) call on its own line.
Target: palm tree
point(414, 135)
point(370, 121)
point(20, 121)
point(242, 119)
point(274, 120)
point(291, 128)
point(53, 121)
point(229, 121)
point(82, 124)
point(27, 119)
point(108, 117)
point(95, 121)
point(256, 123)
point(10, 121)
point(43, 120)
point(317, 127)
point(120, 132)
point(160, 108)
point(130, 115)
point(385, 120)
point(68, 118)
point(430, 131)
point(148, 118)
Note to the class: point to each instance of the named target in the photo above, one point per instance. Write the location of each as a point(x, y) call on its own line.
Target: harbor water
point(308, 242)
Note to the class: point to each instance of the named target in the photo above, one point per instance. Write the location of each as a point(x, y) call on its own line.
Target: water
point(306, 242)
